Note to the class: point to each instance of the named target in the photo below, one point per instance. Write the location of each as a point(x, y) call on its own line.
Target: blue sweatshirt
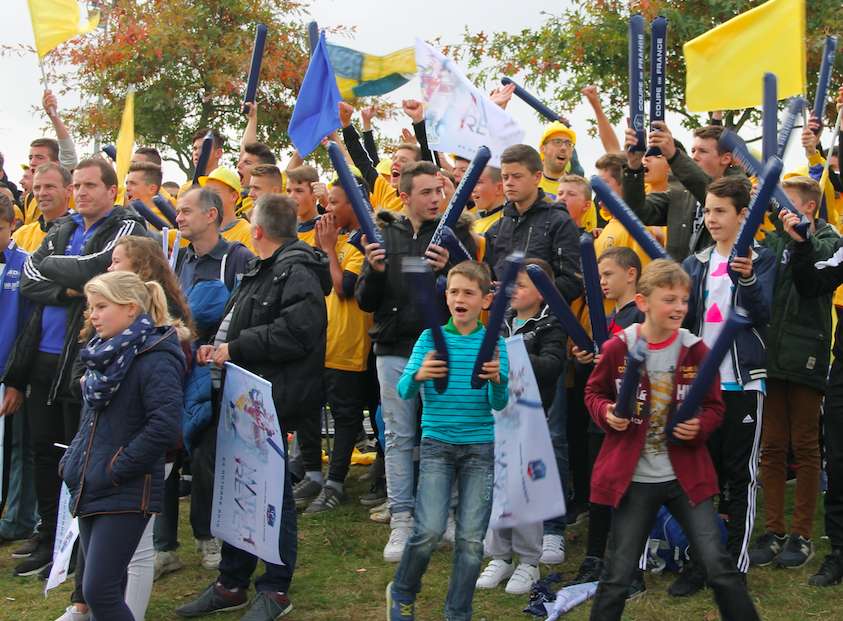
point(16, 309)
point(462, 414)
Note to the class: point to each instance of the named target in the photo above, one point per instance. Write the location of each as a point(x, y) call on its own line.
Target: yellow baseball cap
point(224, 175)
point(354, 171)
point(557, 128)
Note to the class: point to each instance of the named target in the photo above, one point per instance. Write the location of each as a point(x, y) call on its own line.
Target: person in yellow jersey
point(251, 155)
point(52, 187)
point(213, 160)
point(384, 192)
point(300, 185)
point(348, 342)
point(488, 198)
point(556, 148)
point(226, 184)
point(266, 179)
point(143, 183)
point(151, 155)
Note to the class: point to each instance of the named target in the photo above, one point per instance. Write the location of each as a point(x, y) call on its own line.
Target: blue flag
point(316, 113)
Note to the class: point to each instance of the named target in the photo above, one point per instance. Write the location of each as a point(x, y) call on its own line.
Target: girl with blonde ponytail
point(132, 398)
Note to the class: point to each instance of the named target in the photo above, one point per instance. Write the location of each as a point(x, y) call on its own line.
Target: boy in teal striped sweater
point(457, 446)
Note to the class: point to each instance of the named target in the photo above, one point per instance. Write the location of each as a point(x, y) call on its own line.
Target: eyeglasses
point(560, 142)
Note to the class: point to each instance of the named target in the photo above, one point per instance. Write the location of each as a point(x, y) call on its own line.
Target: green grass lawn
point(341, 577)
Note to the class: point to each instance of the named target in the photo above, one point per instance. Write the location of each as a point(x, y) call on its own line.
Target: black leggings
point(109, 542)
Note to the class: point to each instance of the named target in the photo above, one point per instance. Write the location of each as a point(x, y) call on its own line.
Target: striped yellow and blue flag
point(365, 75)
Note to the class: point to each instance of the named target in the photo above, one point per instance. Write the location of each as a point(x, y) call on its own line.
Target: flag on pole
point(366, 75)
point(725, 66)
point(459, 117)
point(126, 138)
point(316, 113)
point(57, 21)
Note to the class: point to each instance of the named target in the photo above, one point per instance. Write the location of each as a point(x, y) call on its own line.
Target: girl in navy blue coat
point(132, 394)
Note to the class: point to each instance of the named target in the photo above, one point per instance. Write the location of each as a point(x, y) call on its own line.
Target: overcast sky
point(381, 27)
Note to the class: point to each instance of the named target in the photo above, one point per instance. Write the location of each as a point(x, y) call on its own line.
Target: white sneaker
point(553, 549)
point(394, 548)
point(522, 579)
point(496, 572)
point(166, 562)
point(71, 614)
point(211, 552)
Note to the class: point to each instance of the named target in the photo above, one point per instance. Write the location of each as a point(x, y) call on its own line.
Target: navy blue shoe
point(397, 608)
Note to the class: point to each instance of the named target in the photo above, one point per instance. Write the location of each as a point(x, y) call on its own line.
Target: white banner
point(527, 486)
point(67, 531)
point(459, 117)
point(249, 472)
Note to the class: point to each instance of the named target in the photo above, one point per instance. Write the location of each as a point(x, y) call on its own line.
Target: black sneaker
point(830, 572)
point(329, 498)
point(305, 492)
point(376, 494)
point(637, 588)
point(691, 580)
point(589, 571)
point(795, 553)
point(35, 562)
point(268, 606)
point(765, 549)
point(44, 574)
point(28, 547)
point(215, 598)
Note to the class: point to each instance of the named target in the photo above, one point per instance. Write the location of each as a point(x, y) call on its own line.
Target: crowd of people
point(115, 332)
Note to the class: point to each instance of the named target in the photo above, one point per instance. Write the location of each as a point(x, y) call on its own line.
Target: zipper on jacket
point(93, 426)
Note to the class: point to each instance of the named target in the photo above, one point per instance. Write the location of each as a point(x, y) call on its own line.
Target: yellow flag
point(725, 66)
point(57, 21)
point(126, 139)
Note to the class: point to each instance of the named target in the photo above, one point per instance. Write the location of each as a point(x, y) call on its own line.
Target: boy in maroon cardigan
point(639, 468)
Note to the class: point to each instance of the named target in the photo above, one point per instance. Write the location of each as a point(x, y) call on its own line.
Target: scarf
point(107, 361)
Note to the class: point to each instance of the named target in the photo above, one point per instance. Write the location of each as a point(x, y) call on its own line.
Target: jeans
point(471, 468)
point(19, 506)
point(557, 423)
point(309, 434)
point(791, 418)
point(109, 542)
point(578, 424)
point(346, 392)
point(631, 524)
point(237, 566)
point(48, 424)
point(400, 424)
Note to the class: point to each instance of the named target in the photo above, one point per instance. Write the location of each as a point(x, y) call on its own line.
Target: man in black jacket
point(381, 289)
point(275, 327)
point(533, 225)
point(76, 248)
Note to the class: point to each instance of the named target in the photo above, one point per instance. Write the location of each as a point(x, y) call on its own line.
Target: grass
point(341, 577)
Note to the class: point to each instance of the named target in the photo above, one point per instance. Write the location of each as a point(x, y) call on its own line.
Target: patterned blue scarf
point(107, 361)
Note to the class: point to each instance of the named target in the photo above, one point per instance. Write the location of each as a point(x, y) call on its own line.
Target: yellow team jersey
point(348, 341)
point(483, 224)
point(244, 208)
point(239, 231)
point(551, 189)
point(307, 231)
point(29, 236)
point(384, 196)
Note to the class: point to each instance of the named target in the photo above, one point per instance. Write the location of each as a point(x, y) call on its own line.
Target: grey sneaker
point(216, 598)
point(166, 562)
point(268, 606)
point(305, 491)
point(765, 549)
point(329, 498)
point(376, 494)
point(795, 553)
